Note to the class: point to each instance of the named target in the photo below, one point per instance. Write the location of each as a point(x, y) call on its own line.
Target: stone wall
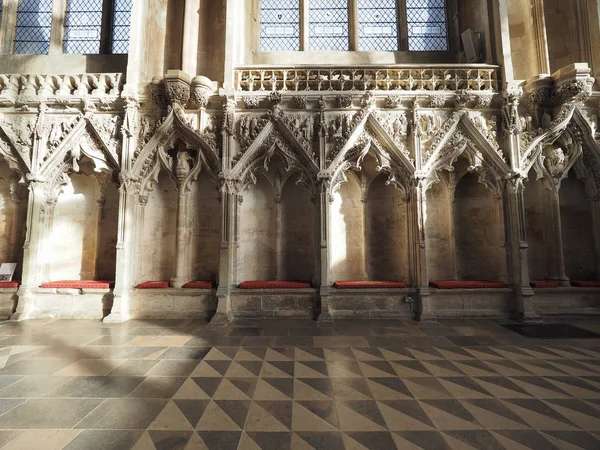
point(479, 232)
point(561, 28)
point(439, 232)
point(538, 221)
point(523, 39)
point(158, 234)
point(577, 234)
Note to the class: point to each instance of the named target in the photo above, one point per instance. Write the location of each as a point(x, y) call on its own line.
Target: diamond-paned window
point(377, 25)
point(121, 26)
point(83, 26)
point(279, 25)
point(34, 23)
point(1, 2)
point(328, 25)
point(426, 21)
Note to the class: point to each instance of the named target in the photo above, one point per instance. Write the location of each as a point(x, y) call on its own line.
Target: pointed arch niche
point(465, 228)
point(277, 227)
point(369, 227)
point(83, 226)
point(13, 215)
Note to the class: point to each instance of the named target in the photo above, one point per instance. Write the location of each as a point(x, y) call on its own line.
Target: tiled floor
point(458, 384)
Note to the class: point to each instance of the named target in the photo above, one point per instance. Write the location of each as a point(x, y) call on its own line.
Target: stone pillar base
point(219, 320)
point(528, 317)
point(116, 318)
point(324, 317)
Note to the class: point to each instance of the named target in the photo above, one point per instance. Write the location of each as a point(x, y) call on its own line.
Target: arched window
point(34, 24)
point(90, 27)
point(363, 25)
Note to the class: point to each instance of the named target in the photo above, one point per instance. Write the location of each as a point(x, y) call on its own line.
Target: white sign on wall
point(7, 270)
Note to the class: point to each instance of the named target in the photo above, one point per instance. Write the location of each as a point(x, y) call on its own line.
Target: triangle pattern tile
point(236, 410)
point(578, 412)
point(492, 414)
point(259, 352)
point(230, 352)
point(284, 385)
point(272, 440)
point(318, 440)
point(302, 370)
point(420, 440)
point(373, 441)
point(216, 354)
point(279, 354)
point(367, 354)
point(244, 355)
point(228, 391)
point(540, 353)
point(426, 388)
point(171, 418)
point(422, 354)
point(300, 444)
point(540, 368)
point(246, 443)
point(376, 369)
point(277, 369)
point(221, 440)
point(265, 391)
point(350, 420)
point(322, 385)
point(576, 439)
point(337, 354)
point(253, 367)
point(208, 384)
point(344, 369)
point(568, 352)
point(165, 440)
point(463, 387)
point(501, 387)
point(260, 420)
point(368, 409)
point(310, 354)
point(523, 440)
point(405, 415)
point(449, 414)
point(190, 390)
point(350, 389)
point(410, 369)
point(539, 387)
point(538, 415)
point(282, 411)
point(397, 354)
point(316, 416)
point(507, 368)
point(388, 389)
point(303, 391)
point(474, 368)
point(575, 387)
point(215, 419)
point(441, 368)
point(245, 385)
point(144, 443)
point(454, 354)
point(205, 370)
point(192, 409)
point(236, 370)
point(574, 368)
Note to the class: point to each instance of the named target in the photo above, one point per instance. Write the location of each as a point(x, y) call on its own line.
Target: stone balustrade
point(451, 78)
point(19, 88)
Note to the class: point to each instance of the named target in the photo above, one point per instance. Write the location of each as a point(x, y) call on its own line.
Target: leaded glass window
point(121, 26)
point(377, 25)
point(426, 21)
point(34, 23)
point(83, 26)
point(279, 25)
point(328, 25)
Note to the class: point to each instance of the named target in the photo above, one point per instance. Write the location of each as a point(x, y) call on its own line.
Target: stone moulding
point(364, 78)
point(35, 88)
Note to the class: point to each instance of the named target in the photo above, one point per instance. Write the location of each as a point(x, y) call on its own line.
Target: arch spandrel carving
point(485, 157)
point(276, 138)
point(16, 142)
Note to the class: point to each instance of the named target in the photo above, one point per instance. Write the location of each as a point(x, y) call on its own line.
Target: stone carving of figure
point(307, 128)
point(245, 127)
point(182, 169)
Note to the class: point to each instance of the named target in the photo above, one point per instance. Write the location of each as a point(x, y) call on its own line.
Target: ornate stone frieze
point(177, 87)
point(299, 102)
point(251, 102)
point(396, 126)
point(510, 110)
point(249, 127)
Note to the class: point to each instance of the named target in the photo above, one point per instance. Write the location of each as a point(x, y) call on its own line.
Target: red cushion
point(153, 285)
point(77, 284)
point(459, 284)
point(9, 284)
point(199, 285)
point(369, 285)
point(543, 284)
point(586, 284)
point(274, 285)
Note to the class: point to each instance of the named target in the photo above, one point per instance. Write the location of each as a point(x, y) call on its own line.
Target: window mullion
point(304, 25)
point(402, 26)
point(59, 8)
point(8, 25)
point(107, 25)
point(353, 24)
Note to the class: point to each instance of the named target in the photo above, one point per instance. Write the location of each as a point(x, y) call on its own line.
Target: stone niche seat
point(586, 284)
point(9, 284)
point(357, 284)
point(463, 284)
point(78, 284)
point(154, 285)
point(199, 285)
point(275, 285)
point(544, 284)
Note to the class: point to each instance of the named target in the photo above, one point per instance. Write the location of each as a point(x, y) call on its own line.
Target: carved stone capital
point(202, 88)
point(177, 87)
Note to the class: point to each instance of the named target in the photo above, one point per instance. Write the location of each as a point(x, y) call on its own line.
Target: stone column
point(558, 262)
point(518, 249)
point(191, 27)
point(324, 215)
point(127, 225)
point(425, 308)
point(37, 209)
point(183, 242)
point(279, 239)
